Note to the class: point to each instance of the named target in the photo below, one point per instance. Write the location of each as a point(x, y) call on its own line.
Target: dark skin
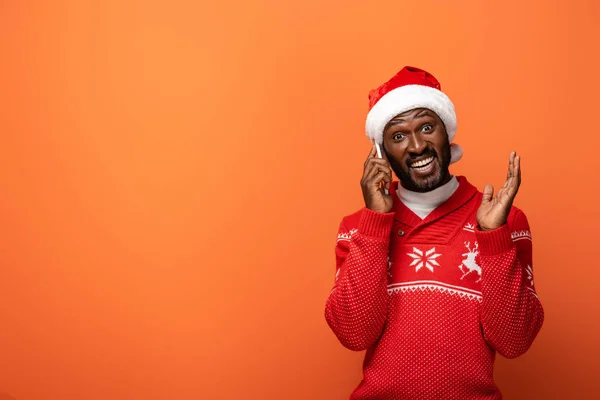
point(416, 136)
point(416, 148)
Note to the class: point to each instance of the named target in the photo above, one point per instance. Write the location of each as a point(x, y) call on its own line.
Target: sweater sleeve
point(357, 307)
point(512, 314)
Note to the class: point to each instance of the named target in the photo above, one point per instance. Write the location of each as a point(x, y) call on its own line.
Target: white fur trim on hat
point(407, 98)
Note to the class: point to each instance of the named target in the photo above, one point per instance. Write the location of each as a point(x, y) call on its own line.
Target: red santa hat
point(409, 89)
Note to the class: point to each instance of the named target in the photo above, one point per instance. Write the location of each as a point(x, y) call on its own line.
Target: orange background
point(173, 173)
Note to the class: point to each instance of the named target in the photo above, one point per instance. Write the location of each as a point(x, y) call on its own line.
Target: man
point(433, 277)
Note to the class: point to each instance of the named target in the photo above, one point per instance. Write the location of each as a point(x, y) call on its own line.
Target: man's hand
point(376, 171)
point(493, 211)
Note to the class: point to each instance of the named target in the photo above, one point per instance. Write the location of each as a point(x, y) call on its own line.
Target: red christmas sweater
point(432, 300)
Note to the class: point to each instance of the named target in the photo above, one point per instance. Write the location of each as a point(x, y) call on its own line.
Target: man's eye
point(427, 128)
point(398, 136)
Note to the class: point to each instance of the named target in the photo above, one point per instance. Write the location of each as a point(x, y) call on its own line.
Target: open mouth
point(422, 164)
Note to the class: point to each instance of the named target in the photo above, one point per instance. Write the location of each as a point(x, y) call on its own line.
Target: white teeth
point(422, 162)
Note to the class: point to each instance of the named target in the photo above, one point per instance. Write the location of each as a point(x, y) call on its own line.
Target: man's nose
point(416, 144)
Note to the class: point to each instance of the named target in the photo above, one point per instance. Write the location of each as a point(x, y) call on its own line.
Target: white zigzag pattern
point(519, 235)
point(469, 227)
point(432, 288)
point(516, 235)
point(346, 235)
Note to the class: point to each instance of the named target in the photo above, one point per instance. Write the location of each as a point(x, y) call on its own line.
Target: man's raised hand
point(493, 211)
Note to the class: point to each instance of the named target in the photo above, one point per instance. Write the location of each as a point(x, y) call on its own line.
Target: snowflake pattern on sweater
point(433, 300)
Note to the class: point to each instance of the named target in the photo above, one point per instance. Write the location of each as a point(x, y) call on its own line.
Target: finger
point(511, 161)
point(488, 194)
point(387, 169)
point(371, 170)
point(380, 177)
point(503, 195)
point(515, 183)
point(379, 162)
point(375, 168)
point(518, 169)
point(387, 178)
point(371, 155)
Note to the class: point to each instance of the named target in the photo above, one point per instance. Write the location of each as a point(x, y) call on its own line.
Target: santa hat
point(409, 89)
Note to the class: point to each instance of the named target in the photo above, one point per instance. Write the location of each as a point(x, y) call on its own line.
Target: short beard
point(431, 182)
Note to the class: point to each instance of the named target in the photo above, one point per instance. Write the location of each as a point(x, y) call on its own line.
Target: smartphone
point(380, 156)
point(378, 150)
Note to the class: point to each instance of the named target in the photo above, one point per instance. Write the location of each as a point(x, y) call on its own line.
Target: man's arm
point(512, 314)
point(357, 307)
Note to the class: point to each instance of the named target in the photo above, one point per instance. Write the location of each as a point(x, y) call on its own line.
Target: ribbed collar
point(462, 195)
point(424, 203)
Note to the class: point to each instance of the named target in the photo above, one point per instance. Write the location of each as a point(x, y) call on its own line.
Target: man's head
point(412, 118)
point(417, 147)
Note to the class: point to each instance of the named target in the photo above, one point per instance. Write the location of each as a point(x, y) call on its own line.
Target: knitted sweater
point(432, 300)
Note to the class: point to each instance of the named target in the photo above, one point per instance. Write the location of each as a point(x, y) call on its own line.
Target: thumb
point(488, 194)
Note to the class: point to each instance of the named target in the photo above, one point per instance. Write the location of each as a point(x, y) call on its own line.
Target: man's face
point(418, 150)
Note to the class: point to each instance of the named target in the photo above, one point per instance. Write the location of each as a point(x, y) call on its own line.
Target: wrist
point(494, 242)
point(375, 224)
point(377, 210)
point(489, 228)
